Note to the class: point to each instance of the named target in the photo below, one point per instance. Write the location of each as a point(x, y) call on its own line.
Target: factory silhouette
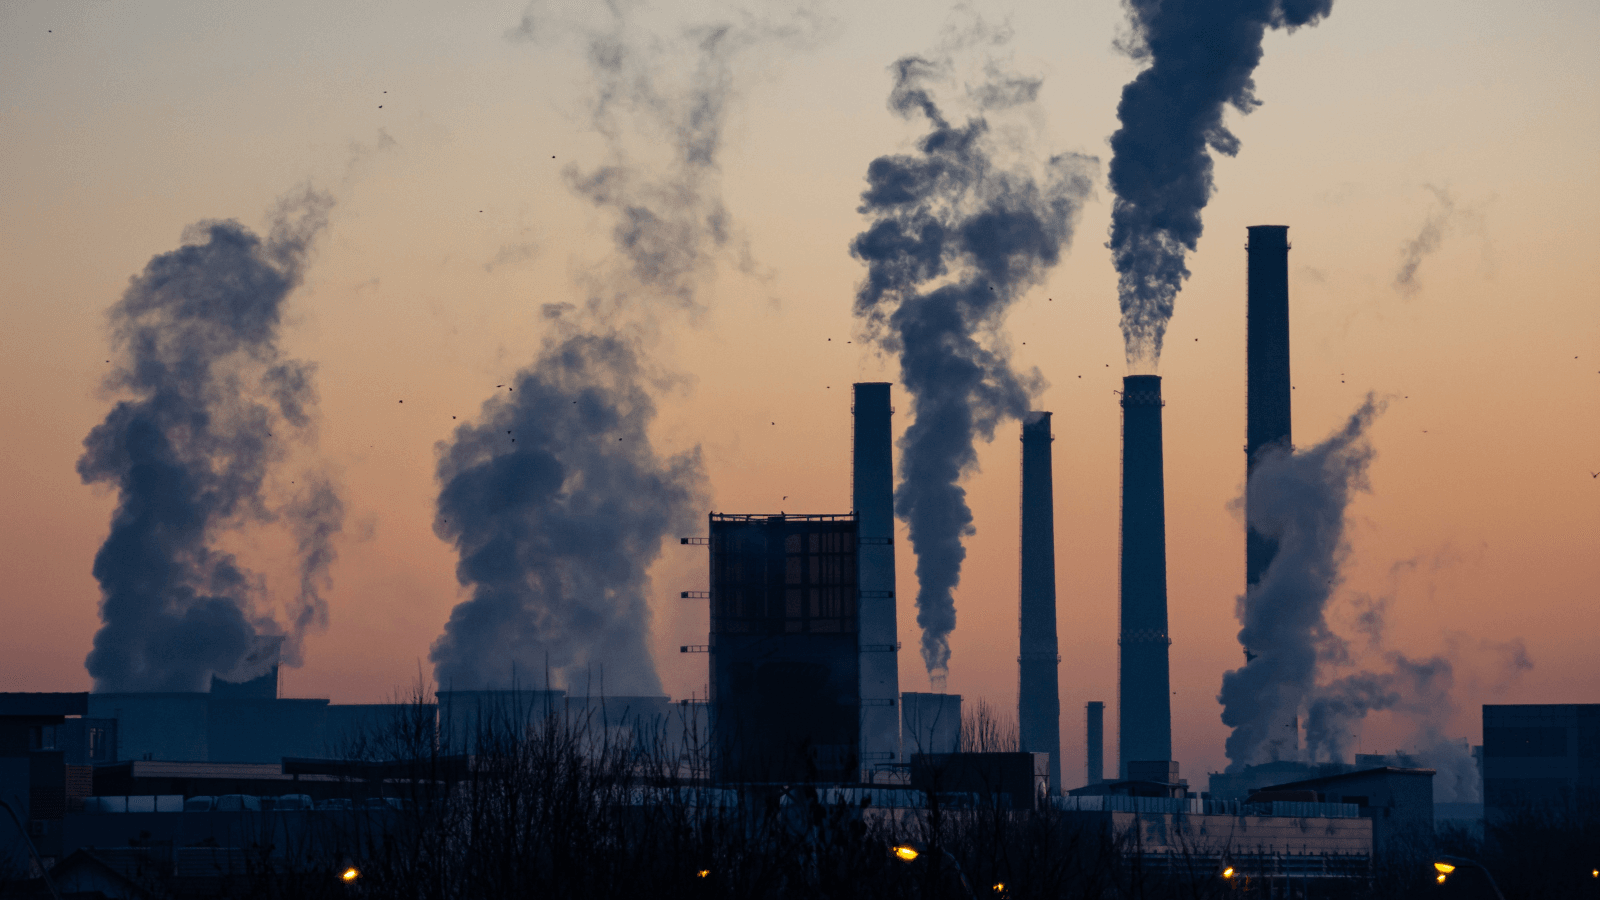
point(802, 694)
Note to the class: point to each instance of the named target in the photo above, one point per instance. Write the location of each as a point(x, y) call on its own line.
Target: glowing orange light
point(704, 873)
point(906, 853)
point(1228, 872)
point(1000, 887)
point(350, 874)
point(1444, 868)
point(1440, 879)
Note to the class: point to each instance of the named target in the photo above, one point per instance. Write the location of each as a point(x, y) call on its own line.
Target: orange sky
point(120, 126)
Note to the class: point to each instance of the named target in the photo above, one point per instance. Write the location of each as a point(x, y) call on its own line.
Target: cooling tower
point(1038, 700)
point(873, 498)
point(1144, 707)
point(1267, 421)
point(1095, 733)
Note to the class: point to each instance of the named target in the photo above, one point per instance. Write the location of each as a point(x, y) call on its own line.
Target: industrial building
point(785, 689)
point(1398, 801)
point(1543, 756)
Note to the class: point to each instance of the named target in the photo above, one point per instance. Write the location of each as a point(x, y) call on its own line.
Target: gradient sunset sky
point(442, 133)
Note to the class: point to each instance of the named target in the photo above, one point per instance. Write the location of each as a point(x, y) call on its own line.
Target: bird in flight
point(1594, 474)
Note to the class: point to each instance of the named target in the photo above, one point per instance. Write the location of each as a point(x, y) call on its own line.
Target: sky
point(441, 135)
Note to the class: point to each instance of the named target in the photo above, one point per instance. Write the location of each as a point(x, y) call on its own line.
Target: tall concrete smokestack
point(1095, 736)
point(873, 489)
point(1144, 703)
point(1267, 421)
point(1038, 692)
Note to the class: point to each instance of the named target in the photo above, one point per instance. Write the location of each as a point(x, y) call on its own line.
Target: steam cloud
point(1298, 500)
point(555, 500)
point(957, 235)
point(1202, 56)
point(213, 408)
point(557, 504)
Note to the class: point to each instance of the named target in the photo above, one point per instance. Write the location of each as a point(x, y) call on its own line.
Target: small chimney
point(1038, 691)
point(872, 486)
point(1096, 734)
point(1144, 703)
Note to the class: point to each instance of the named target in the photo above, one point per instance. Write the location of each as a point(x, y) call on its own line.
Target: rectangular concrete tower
point(1038, 688)
point(1095, 738)
point(1144, 702)
point(1267, 405)
point(873, 498)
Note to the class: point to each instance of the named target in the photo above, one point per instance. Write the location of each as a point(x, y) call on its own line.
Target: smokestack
point(1095, 731)
point(1267, 421)
point(873, 499)
point(1144, 706)
point(1038, 697)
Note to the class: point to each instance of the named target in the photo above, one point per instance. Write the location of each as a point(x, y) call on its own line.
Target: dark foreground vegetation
point(568, 808)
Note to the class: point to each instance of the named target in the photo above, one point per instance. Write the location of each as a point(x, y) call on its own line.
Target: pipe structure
point(1038, 684)
point(1267, 406)
point(1144, 702)
point(872, 487)
point(1095, 736)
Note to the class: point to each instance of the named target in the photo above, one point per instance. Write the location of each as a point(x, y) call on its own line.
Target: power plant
point(803, 687)
point(1038, 685)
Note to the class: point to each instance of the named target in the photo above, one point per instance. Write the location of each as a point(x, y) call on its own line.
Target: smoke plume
point(958, 233)
point(1202, 57)
point(211, 410)
point(554, 498)
point(557, 504)
point(1297, 499)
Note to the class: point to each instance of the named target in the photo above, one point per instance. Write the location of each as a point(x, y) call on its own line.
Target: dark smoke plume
point(957, 236)
point(555, 499)
point(1202, 56)
point(211, 409)
point(1297, 499)
point(557, 503)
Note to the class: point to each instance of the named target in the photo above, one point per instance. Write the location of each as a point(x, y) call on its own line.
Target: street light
point(349, 875)
point(1457, 866)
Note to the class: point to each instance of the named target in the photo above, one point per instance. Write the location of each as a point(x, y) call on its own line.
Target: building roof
point(44, 704)
point(1345, 776)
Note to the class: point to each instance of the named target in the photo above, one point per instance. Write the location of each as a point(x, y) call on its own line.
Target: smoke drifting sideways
point(1202, 58)
point(1297, 499)
point(555, 500)
point(1300, 500)
point(212, 410)
point(957, 235)
point(557, 504)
